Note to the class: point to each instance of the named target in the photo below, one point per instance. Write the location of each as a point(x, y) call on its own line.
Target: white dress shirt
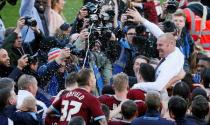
point(172, 65)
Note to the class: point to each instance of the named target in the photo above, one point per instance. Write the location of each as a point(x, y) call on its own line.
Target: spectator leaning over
point(199, 109)
point(170, 65)
point(15, 46)
point(177, 109)
point(152, 116)
point(6, 70)
point(27, 86)
point(54, 14)
point(86, 105)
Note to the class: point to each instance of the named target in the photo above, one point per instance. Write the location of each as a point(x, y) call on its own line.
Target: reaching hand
point(22, 62)
point(136, 17)
point(20, 24)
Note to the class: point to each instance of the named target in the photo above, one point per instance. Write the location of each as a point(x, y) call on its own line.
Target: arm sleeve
point(96, 110)
point(48, 69)
point(153, 28)
point(170, 69)
point(26, 7)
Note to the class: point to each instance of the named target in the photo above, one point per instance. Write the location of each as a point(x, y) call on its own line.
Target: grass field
point(10, 13)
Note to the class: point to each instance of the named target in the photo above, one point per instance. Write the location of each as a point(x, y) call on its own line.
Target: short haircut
point(6, 83)
point(28, 104)
point(177, 106)
point(25, 80)
point(205, 76)
point(200, 107)
point(152, 100)
point(77, 120)
point(179, 12)
point(83, 76)
point(120, 82)
point(169, 26)
point(147, 72)
point(182, 89)
point(5, 94)
point(141, 57)
point(129, 109)
point(169, 38)
point(71, 79)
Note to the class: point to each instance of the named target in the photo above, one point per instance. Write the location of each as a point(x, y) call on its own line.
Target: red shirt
point(78, 102)
point(110, 101)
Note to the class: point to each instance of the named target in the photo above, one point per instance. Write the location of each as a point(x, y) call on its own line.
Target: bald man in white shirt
point(170, 65)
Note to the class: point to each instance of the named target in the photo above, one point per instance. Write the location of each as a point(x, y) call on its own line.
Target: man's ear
point(171, 114)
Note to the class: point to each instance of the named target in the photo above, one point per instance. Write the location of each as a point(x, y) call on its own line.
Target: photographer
point(27, 9)
point(15, 46)
point(127, 54)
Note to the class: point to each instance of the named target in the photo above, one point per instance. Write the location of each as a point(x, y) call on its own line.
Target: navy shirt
point(152, 118)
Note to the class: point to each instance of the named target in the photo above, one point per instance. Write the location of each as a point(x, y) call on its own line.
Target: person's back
point(199, 109)
point(177, 109)
point(79, 102)
point(152, 116)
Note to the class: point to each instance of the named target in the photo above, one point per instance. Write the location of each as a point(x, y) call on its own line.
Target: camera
point(29, 21)
point(91, 8)
point(172, 6)
point(75, 51)
point(32, 59)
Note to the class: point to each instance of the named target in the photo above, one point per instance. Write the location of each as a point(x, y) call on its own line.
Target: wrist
point(19, 67)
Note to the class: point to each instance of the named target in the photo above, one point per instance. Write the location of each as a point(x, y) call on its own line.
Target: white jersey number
point(66, 115)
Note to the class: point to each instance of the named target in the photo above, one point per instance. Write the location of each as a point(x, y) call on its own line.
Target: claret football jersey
point(78, 102)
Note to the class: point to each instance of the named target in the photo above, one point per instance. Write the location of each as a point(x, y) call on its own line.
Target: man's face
point(18, 42)
point(4, 58)
point(179, 21)
point(130, 34)
point(202, 64)
point(40, 5)
point(163, 47)
point(137, 63)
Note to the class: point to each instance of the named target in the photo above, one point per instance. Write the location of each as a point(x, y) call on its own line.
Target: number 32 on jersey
point(66, 112)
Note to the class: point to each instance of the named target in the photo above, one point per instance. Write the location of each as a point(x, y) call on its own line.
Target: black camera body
point(75, 51)
point(29, 21)
point(172, 6)
point(32, 59)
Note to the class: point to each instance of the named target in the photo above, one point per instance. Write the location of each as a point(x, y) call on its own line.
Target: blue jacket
point(152, 118)
point(51, 80)
point(125, 60)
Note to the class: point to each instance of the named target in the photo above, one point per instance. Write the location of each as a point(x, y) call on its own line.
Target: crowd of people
point(120, 62)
